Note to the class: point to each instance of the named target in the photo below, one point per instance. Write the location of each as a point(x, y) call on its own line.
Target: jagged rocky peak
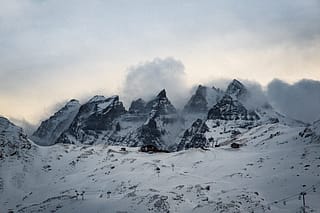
point(150, 134)
point(161, 104)
point(312, 132)
point(236, 89)
point(51, 129)
point(160, 117)
point(97, 98)
point(97, 115)
point(203, 99)
point(194, 137)
point(197, 102)
point(101, 104)
point(229, 108)
point(137, 106)
point(98, 112)
point(162, 94)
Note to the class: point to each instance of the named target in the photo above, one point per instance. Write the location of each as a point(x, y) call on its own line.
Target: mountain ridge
point(157, 122)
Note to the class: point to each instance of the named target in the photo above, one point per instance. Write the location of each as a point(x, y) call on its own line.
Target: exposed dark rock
point(203, 99)
point(150, 134)
point(161, 105)
point(231, 109)
point(307, 132)
point(197, 102)
point(194, 136)
point(235, 145)
point(137, 106)
point(237, 89)
point(161, 114)
point(97, 115)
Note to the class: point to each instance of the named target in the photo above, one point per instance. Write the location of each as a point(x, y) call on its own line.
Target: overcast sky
point(51, 51)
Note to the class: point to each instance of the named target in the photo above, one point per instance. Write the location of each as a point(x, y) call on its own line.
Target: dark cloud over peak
point(300, 100)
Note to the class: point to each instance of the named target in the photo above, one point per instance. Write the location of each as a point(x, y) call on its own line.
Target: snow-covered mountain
point(95, 164)
point(50, 129)
point(237, 90)
point(161, 127)
point(203, 99)
point(273, 165)
point(155, 122)
point(96, 118)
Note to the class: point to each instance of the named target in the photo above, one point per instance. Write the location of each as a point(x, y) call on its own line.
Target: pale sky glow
point(54, 50)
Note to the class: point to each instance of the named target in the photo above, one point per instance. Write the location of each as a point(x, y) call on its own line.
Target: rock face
point(237, 90)
point(161, 104)
point(194, 137)
point(312, 132)
point(97, 115)
point(161, 115)
point(231, 109)
point(157, 122)
point(13, 140)
point(316, 131)
point(203, 99)
point(197, 102)
point(138, 106)
point(50, 129)
point(150, 134)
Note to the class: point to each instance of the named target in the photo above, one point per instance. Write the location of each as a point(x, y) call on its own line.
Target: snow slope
point(273, 163)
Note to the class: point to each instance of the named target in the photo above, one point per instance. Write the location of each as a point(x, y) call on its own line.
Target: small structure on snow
point(149, 148)
point(235, 145)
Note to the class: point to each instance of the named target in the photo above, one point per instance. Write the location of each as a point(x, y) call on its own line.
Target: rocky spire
point(236, 89)
point(197, 102)
point(161, 104)
point(137, 106)
point(162, 94)
point(203, 99)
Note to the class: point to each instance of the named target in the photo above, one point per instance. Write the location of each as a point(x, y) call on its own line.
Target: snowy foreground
point(265, 175)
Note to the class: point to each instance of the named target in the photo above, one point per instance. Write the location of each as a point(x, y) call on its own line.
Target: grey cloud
point(44, 42)
point(147, 79)
point(300, 100)
point(21, 122)
point(257, 97)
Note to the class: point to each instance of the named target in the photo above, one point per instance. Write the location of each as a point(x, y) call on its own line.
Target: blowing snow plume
point(147, 79)
point(300, 100)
